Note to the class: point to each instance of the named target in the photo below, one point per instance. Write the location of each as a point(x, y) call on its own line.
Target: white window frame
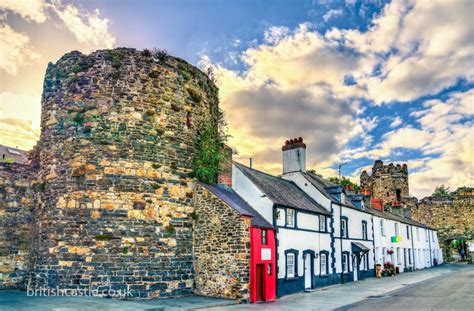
point(417, 234)
point(382, 227)
point(322, 223)
point(396, 229)
point(324, 263)
point(290, 265)
point(408, 232)
point(365, 234)
point(399, 256)
point(292, 218)
point(344, 232)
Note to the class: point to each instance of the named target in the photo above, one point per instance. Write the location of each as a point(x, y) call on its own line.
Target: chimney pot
point(300, 139)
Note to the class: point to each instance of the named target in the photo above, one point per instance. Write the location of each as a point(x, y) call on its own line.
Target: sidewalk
point(17, 300)
point(340, 295)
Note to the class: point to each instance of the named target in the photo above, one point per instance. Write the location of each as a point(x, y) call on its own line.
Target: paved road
point(448, 292)
point(350, 294)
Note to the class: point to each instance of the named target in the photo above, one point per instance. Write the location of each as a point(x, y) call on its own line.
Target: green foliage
point(186, 75)
point(76, 68)
point(314, 172)
point(116, 57)
point(210, 138)
point(146, 53)
point(193, 215)
point(78, 118)
point(73, 79)
point(441, 191)
point(125, 250)
point(41, 187)
point(345, 182)
point(60, 74)
point(194, 94)
point(160, 54)
point(463, 190)
point(8, 160)
point(156, 186)
point(170, 229)
point(156, 166)
point(104, 236)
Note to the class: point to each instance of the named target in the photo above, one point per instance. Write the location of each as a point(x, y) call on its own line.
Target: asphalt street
point(447, 292)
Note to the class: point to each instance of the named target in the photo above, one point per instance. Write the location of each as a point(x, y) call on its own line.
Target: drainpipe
point(413, 247)
point(340, 240)
point(429, 243)
point(277, 268)
point(373, 238)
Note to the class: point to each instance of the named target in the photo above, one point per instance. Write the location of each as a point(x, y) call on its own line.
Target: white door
point(307, 271)
point(354, 268)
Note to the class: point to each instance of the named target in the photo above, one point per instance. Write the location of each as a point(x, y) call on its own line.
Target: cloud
point(87, 27)
point(396, 122)
point(32, 10)
point(332, 13)
point(19, 129)
point(15, 50)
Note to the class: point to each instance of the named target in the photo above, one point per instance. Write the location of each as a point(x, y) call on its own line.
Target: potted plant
point(389, 268)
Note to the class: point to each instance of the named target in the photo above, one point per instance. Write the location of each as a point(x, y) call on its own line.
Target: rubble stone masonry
point(116, 151)
point(221, 249)
point(453, 216)
point(17, 202)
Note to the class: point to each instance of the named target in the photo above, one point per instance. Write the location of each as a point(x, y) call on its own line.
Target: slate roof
point(395, 217)
point(18, 155)
point(321, 184)
point(281, 191)
point(235, 201)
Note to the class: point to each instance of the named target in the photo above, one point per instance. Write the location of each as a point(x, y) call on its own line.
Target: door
point(307, 271)
point(355, 268)
point(259, 286)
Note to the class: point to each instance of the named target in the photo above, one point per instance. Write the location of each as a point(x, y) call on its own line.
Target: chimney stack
point(294, 156)
point(224, 177)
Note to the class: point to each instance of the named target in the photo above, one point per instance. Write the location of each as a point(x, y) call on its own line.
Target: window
point(263, 236)
point(409, 256)
point(290, 265)
point(432, 236)
point(344, 228)
point(269, 269)
point(426, 235)
point(384, 251)
point(396, 229)
point(418, 234)
point(322, 223)
point(377, 254)
point(345, 262)
point(408, 232)
point(324, 263)
point(290, 217)
point(364, 230)
point(382, 228)
point(399, 194)
point(399, 256)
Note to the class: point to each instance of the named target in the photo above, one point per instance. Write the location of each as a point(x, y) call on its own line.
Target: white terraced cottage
point(325, 235)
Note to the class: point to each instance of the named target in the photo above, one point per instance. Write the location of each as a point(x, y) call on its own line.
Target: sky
point(358, 80)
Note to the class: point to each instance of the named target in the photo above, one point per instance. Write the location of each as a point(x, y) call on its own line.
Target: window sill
point(294, 278)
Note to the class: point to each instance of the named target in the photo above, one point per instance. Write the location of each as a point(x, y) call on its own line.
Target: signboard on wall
point(266, 254)
point(396, 239)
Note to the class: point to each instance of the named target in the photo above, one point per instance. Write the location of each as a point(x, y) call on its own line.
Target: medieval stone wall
point(116, 151)
point(453, 216)
point(221, 249)
point(17, 202)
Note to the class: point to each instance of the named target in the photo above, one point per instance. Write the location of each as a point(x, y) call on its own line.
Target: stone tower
point(116, 149)
point(388, 183)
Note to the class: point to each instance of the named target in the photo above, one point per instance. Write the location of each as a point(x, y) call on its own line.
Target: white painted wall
point(307, 187)
point(252, 194)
